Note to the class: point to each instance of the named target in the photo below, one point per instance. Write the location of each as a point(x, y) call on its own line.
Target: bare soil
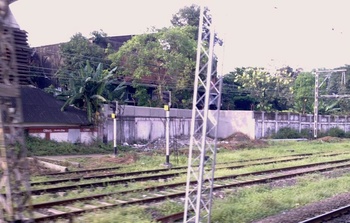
point(239, 140)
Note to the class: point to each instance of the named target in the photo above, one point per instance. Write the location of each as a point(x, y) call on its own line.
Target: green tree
point(257, 82)
point(271, 91)
point(189, 16)
point(284, 79)
point(87, 89)
point(165, 59)
point(233, 95)
point(304, 92)
point(76, 52)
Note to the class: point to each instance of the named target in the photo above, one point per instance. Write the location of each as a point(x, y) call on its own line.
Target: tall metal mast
point(202, 151)
point(317, 87)
point(16, 203)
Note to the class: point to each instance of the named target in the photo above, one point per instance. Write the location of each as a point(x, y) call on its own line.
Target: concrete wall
point(267, 124)
point(236, 121)
point(63, 134)
point(135, 124)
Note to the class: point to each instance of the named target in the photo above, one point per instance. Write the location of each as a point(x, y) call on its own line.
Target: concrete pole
point(167, 137)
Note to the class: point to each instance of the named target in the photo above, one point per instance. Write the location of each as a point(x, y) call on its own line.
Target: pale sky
point(268, 33)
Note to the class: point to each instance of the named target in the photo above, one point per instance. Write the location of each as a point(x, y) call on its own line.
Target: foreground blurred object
point(16, 201)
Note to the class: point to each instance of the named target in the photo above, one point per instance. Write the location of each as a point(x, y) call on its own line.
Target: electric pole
point(16, 200)
point(201, 167)
point(317, 87)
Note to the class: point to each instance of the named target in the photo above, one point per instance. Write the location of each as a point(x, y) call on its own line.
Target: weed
point(287, 133)
point(336, 132)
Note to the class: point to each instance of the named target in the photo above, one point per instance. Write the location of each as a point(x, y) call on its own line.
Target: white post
point(167, 129)
point(115, 130)
point(167, 136)
point(316, 105)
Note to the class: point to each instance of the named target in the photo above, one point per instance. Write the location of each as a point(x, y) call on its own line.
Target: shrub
point(286, 133)
point(336, 132)
point(307, 133)
point(41, 147)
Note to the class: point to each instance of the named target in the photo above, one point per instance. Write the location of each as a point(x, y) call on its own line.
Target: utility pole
point(317, 87)
point(167, 105)
point(202, 151)
point(15, 201)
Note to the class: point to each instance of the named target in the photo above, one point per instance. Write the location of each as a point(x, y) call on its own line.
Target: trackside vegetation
point(233, 205)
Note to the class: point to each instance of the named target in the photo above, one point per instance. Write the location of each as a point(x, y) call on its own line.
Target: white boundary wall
point(135, 124)
point(267, 124)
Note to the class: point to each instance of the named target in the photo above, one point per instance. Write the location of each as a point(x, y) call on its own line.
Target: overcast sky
point(269, 33)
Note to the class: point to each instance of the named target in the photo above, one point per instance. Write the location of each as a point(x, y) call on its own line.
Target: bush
point(336, 132)
point(41, 147)
point(307, 133)
point(287, 133)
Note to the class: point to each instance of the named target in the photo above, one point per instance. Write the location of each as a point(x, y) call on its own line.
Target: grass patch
point(249, 204)
point(116, 215)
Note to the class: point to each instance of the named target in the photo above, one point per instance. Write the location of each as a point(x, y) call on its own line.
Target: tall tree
point(189, 16)
point(165, 59)
point(303, 89)
point(75, 53)
point(233, 95)
point(271, 90)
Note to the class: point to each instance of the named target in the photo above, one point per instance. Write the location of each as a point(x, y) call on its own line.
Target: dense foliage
point(165, 60)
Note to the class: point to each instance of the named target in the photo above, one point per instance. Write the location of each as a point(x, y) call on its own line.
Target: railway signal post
point(167, 104)
point(114, 107)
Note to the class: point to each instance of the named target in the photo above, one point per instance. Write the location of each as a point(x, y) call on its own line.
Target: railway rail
point(77, 172)
point(125, 181)
point(47, 211)
point(331, 215)
point(127, 174)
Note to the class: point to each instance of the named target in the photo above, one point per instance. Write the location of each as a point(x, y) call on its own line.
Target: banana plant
point(87, 89)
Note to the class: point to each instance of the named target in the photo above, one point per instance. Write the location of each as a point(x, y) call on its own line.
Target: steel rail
point(328, 215)
point(180, 167)
point(126, 174)
point(156, 177)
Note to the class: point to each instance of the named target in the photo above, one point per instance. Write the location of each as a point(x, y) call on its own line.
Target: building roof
point(41, 107)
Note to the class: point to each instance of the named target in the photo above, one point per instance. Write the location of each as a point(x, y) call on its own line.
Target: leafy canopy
point(165, 59)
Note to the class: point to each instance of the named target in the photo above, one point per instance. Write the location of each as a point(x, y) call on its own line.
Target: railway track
point(128, 174)
point(331, 215)
point(133, 173)
point(97, 170)
point(67, 208)
point(76, 184)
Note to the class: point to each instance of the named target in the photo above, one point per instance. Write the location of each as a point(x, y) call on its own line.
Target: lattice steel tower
point(15, 199)
point(202, 151)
